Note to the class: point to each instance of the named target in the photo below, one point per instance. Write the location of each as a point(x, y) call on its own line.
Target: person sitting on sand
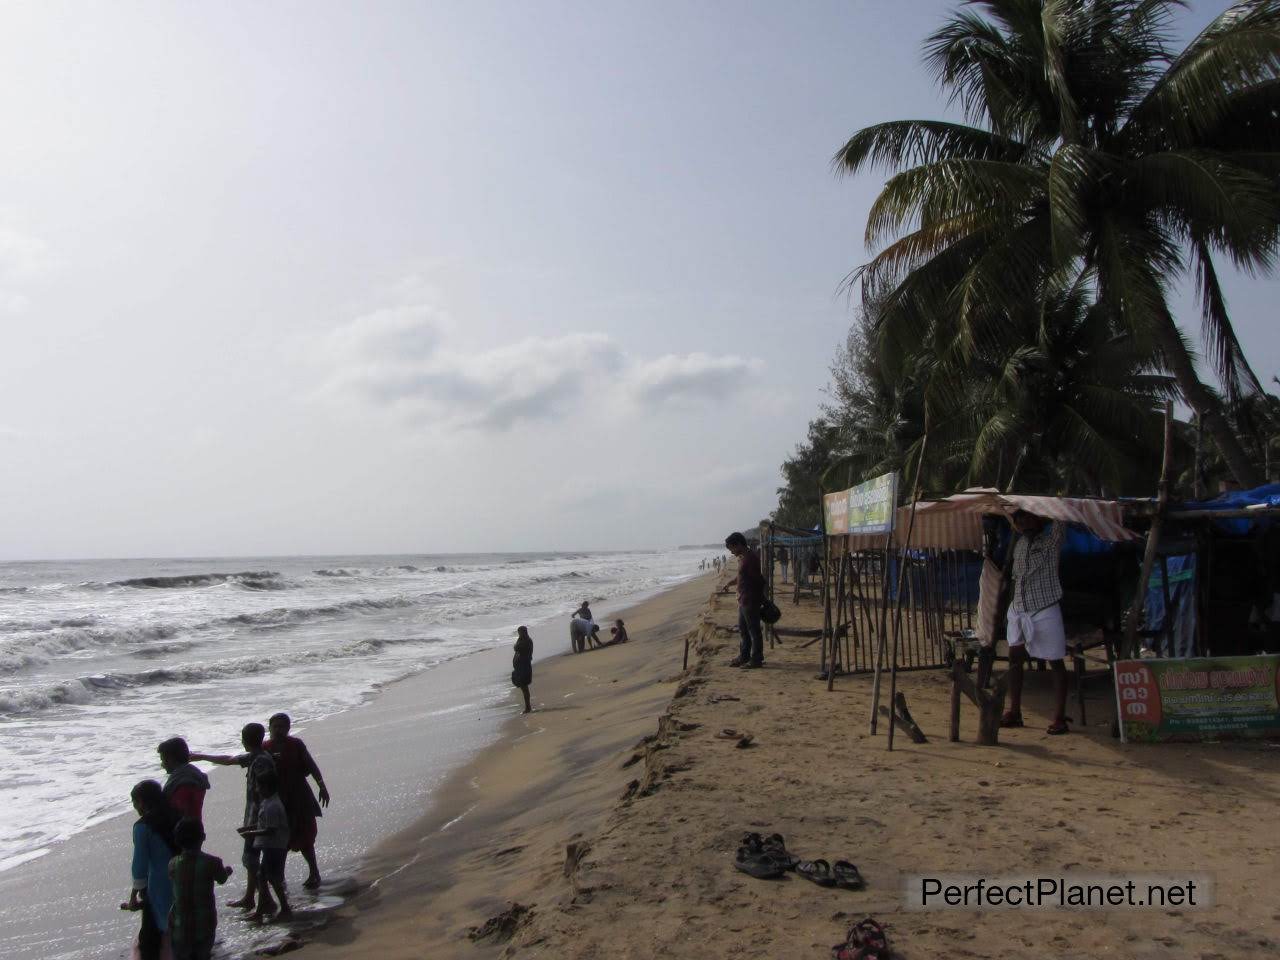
point(256, 761)
point(293, 766)
point(1035, 614)
point(193, 917)
point(269, 834)
point(619, 631)
point(187, 784)
point(522, 665)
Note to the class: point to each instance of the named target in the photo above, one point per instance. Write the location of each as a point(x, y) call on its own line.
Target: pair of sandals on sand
point(1013, 718)
point(864, 941)
point(767, 858)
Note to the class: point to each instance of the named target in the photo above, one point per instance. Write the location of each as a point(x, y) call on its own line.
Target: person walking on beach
point(293, 765)
point(1035, 614)
point(153, 847)
point(193, 918)
point(784, 558)
point(750, 584)
point(256, 761)
point(522, 665)
point(269, 835)
point(187, 784)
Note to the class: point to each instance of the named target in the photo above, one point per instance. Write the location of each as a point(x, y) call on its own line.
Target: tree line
point(1016, 308)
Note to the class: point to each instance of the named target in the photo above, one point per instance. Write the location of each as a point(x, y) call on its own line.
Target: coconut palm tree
point(1090, 148)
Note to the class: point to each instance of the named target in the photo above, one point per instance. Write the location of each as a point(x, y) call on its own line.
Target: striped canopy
point(955, 522)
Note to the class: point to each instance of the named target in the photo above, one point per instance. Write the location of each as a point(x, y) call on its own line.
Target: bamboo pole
point(1153, 536)
point(906, 545)
point(882, 637)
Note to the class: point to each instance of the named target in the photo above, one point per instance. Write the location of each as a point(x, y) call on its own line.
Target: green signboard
point(872, 505)
point(867, 508)
point(1199, 698)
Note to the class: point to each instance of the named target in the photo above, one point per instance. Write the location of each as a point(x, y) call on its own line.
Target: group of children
point(174, 880)
point(584, 632)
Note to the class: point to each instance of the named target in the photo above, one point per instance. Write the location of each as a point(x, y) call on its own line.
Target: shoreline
point(545, 779)
point(62, 904)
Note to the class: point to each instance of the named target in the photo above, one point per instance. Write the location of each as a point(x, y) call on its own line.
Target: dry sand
point(621, 761)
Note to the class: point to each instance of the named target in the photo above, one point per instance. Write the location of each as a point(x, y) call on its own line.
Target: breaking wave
point(250, 579)
point(86, 689)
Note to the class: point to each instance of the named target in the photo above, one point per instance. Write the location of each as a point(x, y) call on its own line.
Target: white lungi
point(1042, 633)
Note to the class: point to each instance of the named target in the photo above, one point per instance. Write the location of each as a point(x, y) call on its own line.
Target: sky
point(323, 278)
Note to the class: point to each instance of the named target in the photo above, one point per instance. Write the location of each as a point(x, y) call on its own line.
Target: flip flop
point(866, 941)
point(778, 847)
point(1011, 719)
point(762, 866)
point(847, 875)
point(728, 733)
point(1057, 728)
point(819, 871)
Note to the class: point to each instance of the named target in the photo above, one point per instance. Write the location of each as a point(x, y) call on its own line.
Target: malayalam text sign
point(1198, 698)
point(836, 507)
point(872, 505)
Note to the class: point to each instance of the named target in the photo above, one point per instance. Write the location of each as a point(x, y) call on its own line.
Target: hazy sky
point(366, 277)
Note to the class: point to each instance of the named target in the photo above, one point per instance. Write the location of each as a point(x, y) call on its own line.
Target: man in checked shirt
point(1035, 616)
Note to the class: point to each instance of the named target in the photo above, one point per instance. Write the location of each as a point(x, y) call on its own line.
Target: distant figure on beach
point(256, 761)
point(187, 784)
point(619, 631)
point(293, 765)
point(522, 665)
point(1035, 615)
point(193, 917)
point(153, 847)
point(750, 584)
point(784, 559)
point(269, 836)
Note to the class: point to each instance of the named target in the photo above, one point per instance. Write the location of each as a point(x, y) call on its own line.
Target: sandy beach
point(612, 814)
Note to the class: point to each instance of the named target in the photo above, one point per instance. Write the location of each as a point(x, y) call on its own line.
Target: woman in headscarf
point(153, 847)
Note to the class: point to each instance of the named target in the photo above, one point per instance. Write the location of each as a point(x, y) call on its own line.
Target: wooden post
point(1153, 537)
point(902, 564)
point(958, 665)
point(882, 637)
point(835, 626)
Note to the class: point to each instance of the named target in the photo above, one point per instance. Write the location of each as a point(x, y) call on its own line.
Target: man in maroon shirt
point(750, 584)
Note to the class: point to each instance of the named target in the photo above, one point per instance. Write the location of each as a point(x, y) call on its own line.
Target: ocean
point(100, 660)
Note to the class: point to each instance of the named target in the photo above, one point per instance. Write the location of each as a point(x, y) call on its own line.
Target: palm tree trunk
point(1205, 405)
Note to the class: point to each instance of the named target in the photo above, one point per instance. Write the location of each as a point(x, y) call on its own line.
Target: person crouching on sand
point(1035, 615)
point(522, 665)
point(619, 631)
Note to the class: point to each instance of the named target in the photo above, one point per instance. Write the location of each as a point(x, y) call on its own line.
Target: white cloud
point(24, 260)
point(690, 376)
point(411, 359)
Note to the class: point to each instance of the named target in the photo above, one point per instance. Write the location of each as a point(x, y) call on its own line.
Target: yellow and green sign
point(865, 509)
point(1199, 698)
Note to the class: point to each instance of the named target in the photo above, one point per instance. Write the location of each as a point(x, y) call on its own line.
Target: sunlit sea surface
point(102, 659)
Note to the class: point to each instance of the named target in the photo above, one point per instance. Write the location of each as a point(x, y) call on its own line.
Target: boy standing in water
point(270, 838)
point(256, 761)
point(193, 918)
